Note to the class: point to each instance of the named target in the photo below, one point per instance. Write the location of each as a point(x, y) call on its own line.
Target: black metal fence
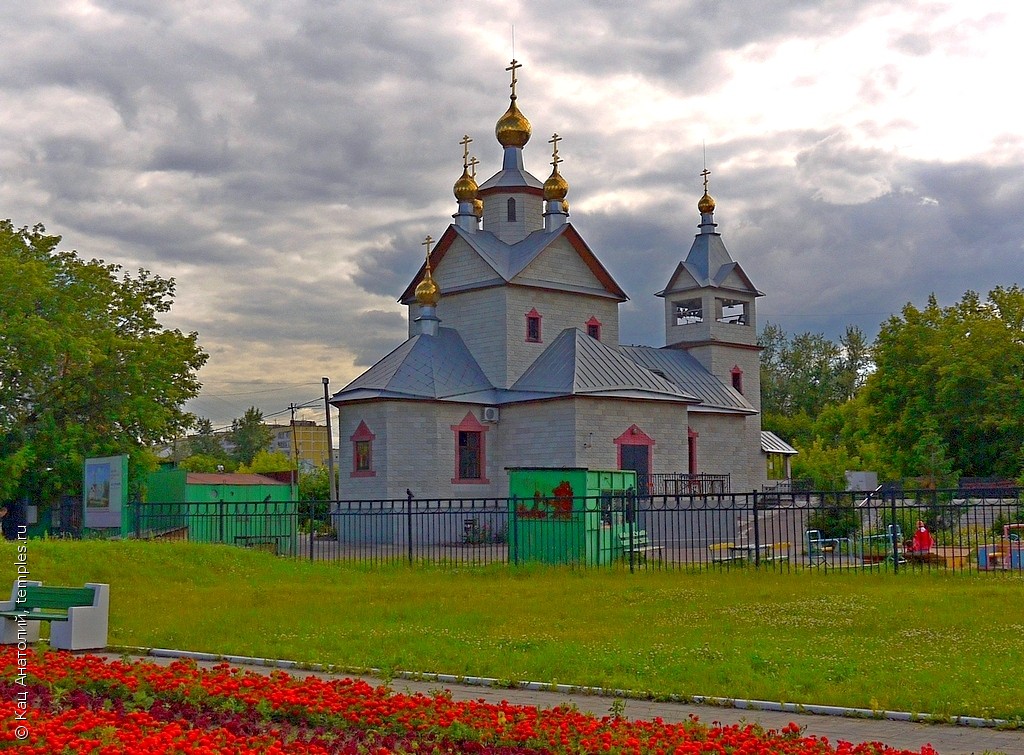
point(777, 530)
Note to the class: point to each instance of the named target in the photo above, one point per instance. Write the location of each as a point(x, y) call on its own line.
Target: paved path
point(946, 739)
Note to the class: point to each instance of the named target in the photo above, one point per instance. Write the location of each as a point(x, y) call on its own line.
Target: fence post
point(136, 506)
point(757, 533)
point(408, 522)
point(312, 528)
point(630, 517)
point(514, 545)
point(894, 537)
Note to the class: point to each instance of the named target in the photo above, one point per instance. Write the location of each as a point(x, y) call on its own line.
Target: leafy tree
point(948, 389)
point(834, 517)
point(268, 461)
point(206, 463)
point(854, 363)
point(249, 435)
point(205, 442)
point(86, 369)
point(824, 465)
point(315, 485)
point(803, 374)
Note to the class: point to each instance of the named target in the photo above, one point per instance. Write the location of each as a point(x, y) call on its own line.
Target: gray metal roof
point(508, 260)
point(709, 263)
point(576, 364)
point(513, 173)
point(691, 377)
point(432, 367)
point(773, 444)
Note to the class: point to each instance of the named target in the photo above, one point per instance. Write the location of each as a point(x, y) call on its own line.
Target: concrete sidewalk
point(945, 738)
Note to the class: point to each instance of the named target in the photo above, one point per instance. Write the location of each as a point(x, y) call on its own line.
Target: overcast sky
point(283, 160)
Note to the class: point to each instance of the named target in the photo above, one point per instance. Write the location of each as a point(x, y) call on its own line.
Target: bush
point(834, 517)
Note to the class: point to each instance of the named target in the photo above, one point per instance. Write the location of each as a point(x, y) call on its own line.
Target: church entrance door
point(637, 458)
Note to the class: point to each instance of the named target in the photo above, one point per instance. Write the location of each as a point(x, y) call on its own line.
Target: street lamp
point(330, 442)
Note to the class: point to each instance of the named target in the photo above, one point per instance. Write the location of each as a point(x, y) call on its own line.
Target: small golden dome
point(706, 204)
point(565, 206)
point(512, 129)
point(428, 293)
point(478, 207)
point(556, 187)
point(465, 188)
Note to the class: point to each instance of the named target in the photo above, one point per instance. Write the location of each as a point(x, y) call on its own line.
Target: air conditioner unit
point(490, 414)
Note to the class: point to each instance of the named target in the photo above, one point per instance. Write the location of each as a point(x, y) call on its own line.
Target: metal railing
point(805, 529)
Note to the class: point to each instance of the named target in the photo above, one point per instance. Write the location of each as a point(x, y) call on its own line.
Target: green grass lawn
point(936, 643)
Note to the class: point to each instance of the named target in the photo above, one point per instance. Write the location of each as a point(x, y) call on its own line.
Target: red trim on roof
point(436, 255)
point(591, 261)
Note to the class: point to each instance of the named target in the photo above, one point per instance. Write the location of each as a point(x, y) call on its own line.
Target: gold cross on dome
point(553, 141)
point(427, 242)
point(512, 67)
point(705, 173)
point(473, 162)
point(465, 150)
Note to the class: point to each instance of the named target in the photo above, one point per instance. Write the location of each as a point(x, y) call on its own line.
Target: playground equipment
point(1008, 553)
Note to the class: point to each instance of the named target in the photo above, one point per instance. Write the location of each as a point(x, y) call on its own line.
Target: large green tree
point(805, 374)
point(948, 390)
point(249, 435)
point(86, 369)
point(205, 441)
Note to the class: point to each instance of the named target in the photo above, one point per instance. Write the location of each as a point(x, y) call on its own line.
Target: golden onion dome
point(465, 188)
point(428, 293)
point(565, 206)
point(478, 207)
point(556, 187)
point(706, 204)
point(512, 129)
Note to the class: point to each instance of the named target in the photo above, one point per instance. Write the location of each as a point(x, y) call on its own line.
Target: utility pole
point(295, 455)
point(330, 442)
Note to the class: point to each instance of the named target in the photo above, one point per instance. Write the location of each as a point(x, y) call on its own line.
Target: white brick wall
point(558, 311)
point(529, 216)
point(561, 264)
point(730, 444)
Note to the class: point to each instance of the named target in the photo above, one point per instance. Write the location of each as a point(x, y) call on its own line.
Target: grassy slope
point(921, 642)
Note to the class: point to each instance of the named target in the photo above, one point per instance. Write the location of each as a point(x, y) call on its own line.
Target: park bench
point(774, 552)
point(639, 545)
point(77, 616)
point(721, 553)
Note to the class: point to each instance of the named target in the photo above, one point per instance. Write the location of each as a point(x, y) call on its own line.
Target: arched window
point(594, 328)
point(737, 378)
point(470, 451)
point(533, 326)
point(362, 452)
point(511, 210)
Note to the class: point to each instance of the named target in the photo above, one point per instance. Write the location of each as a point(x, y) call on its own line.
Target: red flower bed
point(84, 704)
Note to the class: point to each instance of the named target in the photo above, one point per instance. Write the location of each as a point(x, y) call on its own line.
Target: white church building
point(513, 357)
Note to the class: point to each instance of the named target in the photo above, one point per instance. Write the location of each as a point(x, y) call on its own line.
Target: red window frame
point(737, 378)
point(362, 451)
point(594, 328)
point(533, 318)
point(470, 432)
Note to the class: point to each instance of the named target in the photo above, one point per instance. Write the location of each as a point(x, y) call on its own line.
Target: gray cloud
point(283, 162)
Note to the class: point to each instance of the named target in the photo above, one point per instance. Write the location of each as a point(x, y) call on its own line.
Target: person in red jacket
point(922, 539)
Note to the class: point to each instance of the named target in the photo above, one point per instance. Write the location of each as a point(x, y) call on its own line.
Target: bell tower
point(710, 308)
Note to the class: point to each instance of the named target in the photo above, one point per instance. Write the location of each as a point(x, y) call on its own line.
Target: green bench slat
point(41, 596)
point(35, 615)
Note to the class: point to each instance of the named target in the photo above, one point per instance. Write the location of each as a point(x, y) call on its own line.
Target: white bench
point(639, 545)
point(78, 616)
